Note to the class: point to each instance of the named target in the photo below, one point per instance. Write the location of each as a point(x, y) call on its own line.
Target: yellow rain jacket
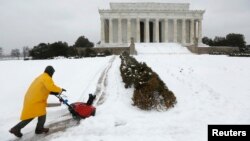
point(35, 100)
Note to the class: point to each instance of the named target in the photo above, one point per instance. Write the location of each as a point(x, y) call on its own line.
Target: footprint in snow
point(120, 123)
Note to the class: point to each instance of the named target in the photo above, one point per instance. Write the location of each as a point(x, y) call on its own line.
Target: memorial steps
point(161, 48)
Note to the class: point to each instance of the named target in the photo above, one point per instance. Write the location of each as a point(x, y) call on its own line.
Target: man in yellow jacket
point(35, 102)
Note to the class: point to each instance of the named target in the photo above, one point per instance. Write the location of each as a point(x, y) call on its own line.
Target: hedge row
point(240, 54)
point(150, 91)
point(89, 52)
point(234, 54)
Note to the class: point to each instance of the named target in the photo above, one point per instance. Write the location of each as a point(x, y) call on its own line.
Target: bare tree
point(15, 53)
point(25, 51)
point(1, 52)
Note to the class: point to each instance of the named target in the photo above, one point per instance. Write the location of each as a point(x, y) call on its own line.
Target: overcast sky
point(30, 22)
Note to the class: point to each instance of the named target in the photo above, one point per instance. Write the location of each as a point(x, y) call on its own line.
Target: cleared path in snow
point(66, 121)
point(203, 93)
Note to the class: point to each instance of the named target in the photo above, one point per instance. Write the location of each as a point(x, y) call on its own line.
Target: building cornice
point(150, 6)
point(150, 15)
point(150, 11)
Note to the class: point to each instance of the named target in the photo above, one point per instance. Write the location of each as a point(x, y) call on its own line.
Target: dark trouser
point(23, 123)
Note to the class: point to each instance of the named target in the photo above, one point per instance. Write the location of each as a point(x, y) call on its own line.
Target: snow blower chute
point(80, 110)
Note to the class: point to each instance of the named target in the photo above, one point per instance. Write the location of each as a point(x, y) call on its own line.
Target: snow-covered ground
point(160, 48)
point(209, 90)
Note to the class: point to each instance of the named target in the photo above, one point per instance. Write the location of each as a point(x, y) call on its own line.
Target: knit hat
point(49, 70)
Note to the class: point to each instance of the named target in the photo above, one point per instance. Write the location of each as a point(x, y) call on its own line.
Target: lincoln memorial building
point(150, 23)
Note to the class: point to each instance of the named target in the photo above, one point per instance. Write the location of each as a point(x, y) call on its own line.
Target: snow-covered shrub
point(240, 54)
point(127, 69)
point(107, 52)
point(90, 52)
point(153, 94)
point(150, 91)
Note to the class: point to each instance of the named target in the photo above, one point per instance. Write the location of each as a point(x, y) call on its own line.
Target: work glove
point(54, 93)
point(63, 90)
point(60, 100)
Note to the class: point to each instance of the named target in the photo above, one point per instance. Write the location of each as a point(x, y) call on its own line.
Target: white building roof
point(149, 6)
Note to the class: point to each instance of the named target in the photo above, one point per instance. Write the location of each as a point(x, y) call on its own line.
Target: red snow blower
point(80, 110)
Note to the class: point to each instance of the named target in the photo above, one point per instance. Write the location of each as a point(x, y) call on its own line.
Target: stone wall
point(207, 50)
point(113, 50)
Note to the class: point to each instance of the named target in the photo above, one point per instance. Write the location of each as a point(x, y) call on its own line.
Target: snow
point(203, 45)
point(209, 90)
point(160, 48)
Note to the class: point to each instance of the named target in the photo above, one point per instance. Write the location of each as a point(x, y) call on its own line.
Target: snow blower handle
point(63, 90)
point(64, 101)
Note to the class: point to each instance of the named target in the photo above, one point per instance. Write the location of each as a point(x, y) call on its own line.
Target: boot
point(16, 132)
point(43, 130)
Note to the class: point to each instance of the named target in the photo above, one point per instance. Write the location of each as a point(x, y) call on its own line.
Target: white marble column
point(102, 31)
point(192, 32)
point(157, 30)
point(110, 30)
point(183, 31)
point(138, 31)
point(195, 29)
point(200, 31)
point(119, 30)
point(147, 30)
point(166, 30)
point(175, 30)
point(128, 30)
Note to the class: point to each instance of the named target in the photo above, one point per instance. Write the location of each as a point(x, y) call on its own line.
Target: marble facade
point(150, 23)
